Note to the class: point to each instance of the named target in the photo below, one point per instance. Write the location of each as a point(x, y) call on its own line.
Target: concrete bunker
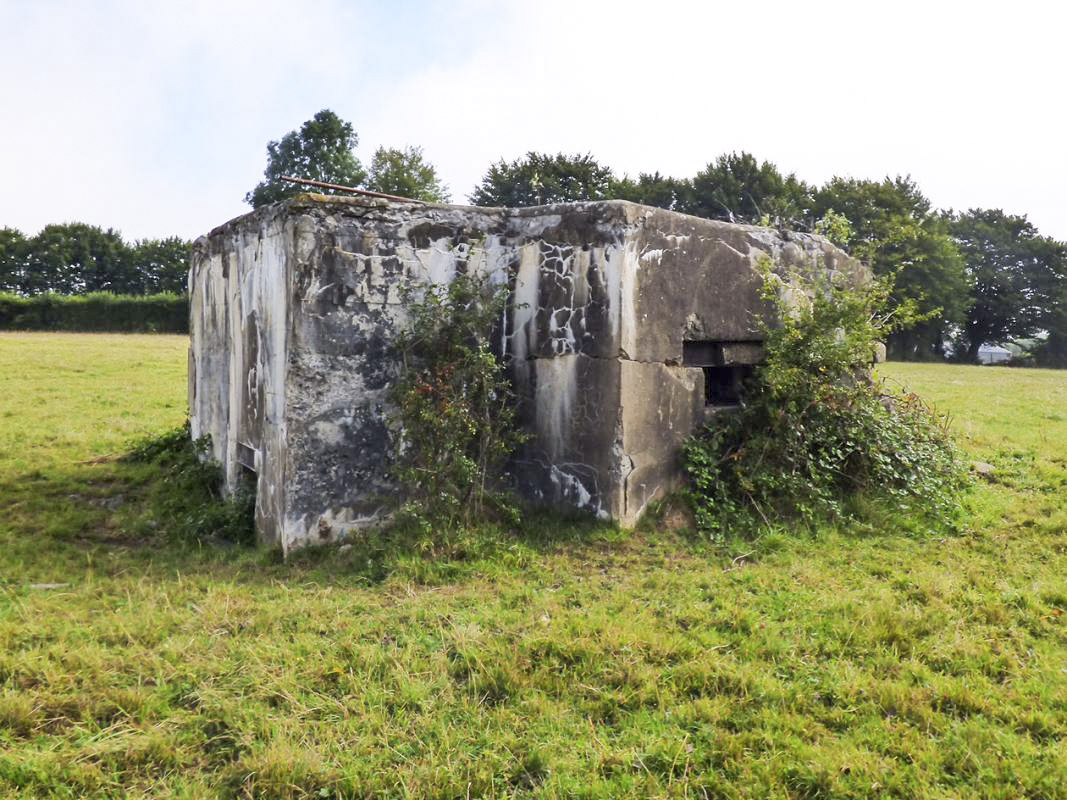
point(627, 326)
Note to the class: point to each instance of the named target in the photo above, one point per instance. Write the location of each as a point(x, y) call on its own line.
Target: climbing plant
point(455, 409)
point(815, 432)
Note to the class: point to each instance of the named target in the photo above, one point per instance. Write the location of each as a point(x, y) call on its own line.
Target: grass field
point(569, 661)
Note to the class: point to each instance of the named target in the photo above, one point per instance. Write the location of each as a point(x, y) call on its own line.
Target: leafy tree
point(160, 265)
point(406, 173)
point(101, 260)
point(654, 190)
point(47, 263)
point(1014, 272)
point(738, 188)
point(321, 150)
point(834, 227)
point(539, 178)
point(75, 258)
point(13, 246)
point(895, 232)
point(1052, 352)
point(1050, 301)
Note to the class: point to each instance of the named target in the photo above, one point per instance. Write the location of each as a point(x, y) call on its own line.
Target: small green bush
point(455, 409)
point(97, 312)
point(186, 503)
point(814, 431)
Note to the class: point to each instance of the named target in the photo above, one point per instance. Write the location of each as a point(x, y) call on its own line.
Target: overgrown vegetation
point(186, 501)
point(97, 312)
point(455, 406)
point(814, 433)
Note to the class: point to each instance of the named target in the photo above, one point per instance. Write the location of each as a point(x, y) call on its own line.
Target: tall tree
point(407, 173)
point(321, 150)
point(540, 178)
point(654, 190)
point(1015, 276)
point(73, 258)
point(1052, 351)
point(13, 251)
point(738, 188)
point(160, 265)
point(894, 230)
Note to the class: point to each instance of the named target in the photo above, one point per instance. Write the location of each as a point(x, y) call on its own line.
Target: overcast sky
point(153, 117)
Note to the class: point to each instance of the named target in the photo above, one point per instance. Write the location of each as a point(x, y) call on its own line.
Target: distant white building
point(993, 354)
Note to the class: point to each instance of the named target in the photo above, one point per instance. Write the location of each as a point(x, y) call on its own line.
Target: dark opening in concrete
point(723, 385)
point(726, 365)
point(246, 459)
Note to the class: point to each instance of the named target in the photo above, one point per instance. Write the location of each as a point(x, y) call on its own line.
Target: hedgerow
point(97, 312)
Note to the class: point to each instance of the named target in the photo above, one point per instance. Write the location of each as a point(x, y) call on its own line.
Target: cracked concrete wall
point(564, 345)
point(693, 280)
point(347, 306)
point(238, 285)
point(295, 307)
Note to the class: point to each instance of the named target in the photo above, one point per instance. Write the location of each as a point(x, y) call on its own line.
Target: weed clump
point(815, 436)
point(187, 502)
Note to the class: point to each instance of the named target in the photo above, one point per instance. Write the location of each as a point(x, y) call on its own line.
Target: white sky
point(153, 117)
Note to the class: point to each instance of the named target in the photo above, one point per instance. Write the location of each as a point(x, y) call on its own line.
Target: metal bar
point(353, 189)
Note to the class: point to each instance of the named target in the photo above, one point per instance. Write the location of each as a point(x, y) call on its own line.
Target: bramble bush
point(455, 408)
point(815, 434)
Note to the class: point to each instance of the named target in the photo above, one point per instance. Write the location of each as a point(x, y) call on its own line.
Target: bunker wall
point(621, 324)
point(238, 285)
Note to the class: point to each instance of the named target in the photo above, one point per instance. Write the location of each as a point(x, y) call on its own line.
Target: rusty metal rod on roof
point(353, 189)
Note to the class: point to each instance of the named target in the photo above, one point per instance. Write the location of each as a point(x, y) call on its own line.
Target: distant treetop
point(540, 178)
point(322, 150)
point(405, 172)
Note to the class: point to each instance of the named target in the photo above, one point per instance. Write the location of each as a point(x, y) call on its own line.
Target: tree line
point(973, 277)
point(968, 278)
point(76, 259)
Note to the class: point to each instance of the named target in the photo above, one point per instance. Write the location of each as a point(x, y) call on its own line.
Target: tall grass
point(567, 661)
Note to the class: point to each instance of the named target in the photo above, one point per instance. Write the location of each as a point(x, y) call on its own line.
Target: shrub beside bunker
point(815, 436)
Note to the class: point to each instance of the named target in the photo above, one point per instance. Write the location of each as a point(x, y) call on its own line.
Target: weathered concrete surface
point(295, 307)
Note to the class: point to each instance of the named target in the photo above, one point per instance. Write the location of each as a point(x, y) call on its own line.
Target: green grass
point(569, 661)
